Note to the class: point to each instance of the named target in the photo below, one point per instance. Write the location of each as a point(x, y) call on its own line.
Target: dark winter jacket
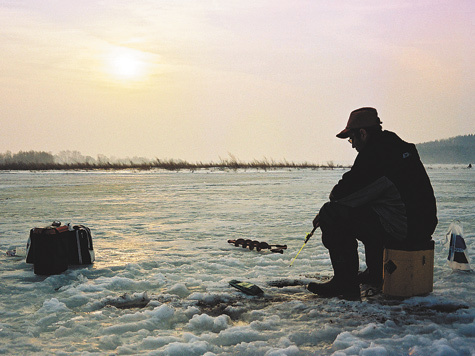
point(388, 175)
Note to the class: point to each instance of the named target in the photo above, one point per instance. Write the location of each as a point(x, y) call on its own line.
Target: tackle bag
point(53, 248)
point(47, 249)
point(80, 249)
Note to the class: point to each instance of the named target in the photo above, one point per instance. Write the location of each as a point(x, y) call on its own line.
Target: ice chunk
point(205, 322)
point(53, 306)
point(126, 301)
point(189, 349)
point(163, 312)
point(179, 290)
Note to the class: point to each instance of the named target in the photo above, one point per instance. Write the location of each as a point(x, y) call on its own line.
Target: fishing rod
point(306, 240)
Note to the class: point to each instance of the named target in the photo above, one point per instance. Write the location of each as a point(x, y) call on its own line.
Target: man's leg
point(340, 240)
point(371, 233)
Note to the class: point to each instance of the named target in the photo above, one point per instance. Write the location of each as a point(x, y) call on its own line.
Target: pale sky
point(198, 80)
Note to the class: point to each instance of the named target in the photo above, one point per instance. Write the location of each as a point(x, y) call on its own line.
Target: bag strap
point(88, 233)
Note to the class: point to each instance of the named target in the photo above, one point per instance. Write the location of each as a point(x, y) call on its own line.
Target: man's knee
point(336, 227)
point(333, 214)
point(339, 240)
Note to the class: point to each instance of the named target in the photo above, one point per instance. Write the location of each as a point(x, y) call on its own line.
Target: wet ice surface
point(159, 285)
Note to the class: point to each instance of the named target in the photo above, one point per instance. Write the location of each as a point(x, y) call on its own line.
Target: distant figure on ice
point(469, 165)
point(386, 196)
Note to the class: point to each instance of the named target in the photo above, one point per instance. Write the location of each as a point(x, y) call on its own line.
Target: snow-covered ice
point(159, 285)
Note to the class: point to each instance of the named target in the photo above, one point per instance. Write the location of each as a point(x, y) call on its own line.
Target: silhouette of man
point(385, 197)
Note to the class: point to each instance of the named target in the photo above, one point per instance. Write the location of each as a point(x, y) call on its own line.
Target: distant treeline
point(455, 150)
point(74, 160)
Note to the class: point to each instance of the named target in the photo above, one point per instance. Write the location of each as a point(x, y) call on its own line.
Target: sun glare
point(127, 65)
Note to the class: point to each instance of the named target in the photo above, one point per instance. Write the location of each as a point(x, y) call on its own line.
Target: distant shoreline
point(74, 160)
point(170, 165)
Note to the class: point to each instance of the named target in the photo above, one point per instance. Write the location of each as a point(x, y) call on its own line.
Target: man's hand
point(316, 221)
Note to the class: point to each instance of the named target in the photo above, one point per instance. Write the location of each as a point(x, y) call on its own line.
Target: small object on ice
point(127, 301)
point(458, 258)
point(258, 245)
point(286, 283)
point(246, 287)
point(11, 253)
point(370, 291)
point(16, 252)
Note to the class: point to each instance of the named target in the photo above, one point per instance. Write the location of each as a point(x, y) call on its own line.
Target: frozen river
point(163, 236)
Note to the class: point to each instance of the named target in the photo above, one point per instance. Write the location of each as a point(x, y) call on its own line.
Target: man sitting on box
point(385, 197)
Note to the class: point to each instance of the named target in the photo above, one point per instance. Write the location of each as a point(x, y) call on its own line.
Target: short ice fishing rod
point(306, 240)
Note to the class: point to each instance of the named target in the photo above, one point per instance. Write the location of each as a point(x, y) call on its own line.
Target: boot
point(374, 280)
point(336, 288)
point(373, 275)
point(344, 282)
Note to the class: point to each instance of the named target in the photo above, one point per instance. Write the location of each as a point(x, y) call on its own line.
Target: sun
point(127, 64)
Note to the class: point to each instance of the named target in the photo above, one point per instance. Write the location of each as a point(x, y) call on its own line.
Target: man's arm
point(367, 168)
point(316, 221)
